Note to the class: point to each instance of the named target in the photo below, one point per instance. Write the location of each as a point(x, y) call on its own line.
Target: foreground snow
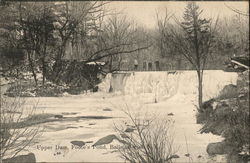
point(186, 136)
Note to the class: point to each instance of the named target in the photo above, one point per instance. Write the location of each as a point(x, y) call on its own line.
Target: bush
point(147, 140)
point(28, 89)
point(75, 74)
point(205, 111)
point(12, 139)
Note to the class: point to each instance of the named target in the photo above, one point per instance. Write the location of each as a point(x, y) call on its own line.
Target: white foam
point(163, 85)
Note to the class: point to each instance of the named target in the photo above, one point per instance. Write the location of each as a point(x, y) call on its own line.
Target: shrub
point(148, 140)
point(12, 139)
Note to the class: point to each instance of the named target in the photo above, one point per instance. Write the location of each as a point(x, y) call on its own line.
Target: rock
point(229, 91)
point(110, 89)
point(106, 140)
point(107, 109)
point(242, 96)
point(58, 116)
point(78, 143)
point(199, 156)
point(29, 158)
point(219, 112)
point(27, 94)
point(124, 136)
point(95, 89)
point(170, 114)
point(129, 129)
point(69, 113)
point(208, 105)
point(71, 127)
point(218, 148)
point(187, 155)
point(92, 124)
point(174, 156)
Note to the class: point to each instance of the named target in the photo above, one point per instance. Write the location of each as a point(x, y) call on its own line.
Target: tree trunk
point(110, 63)
point(200, 92)
point(32, 67)
point(43, 61)
point(58, 63)
point(44, 70)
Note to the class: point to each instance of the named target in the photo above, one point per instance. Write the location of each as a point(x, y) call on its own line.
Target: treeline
point(230, 38)
point(39, 37)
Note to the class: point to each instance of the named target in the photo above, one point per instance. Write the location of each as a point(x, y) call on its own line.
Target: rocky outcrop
point(228, 116)
point(219, 148)
point(229, 91)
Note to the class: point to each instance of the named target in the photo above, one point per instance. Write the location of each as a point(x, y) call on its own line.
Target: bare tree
point(13, 139)
point(76, 21)
point(194, 40)
point(118, 38)
point(36, 23)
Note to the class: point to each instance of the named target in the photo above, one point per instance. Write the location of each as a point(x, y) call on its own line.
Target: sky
point(144, 12)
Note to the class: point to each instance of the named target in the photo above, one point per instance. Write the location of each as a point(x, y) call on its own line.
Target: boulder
point(170, 114)
point(218, 148)
point(229, 91)
point(107, 109)
point(29, 158)
point(105, 140)
point(129, 129)
point(58, 116)
point(208, 105)
point(78, 143)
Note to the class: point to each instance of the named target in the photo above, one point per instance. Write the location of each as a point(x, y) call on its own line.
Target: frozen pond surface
point(180, 100)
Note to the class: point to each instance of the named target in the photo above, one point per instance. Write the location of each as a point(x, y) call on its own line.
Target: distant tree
point(163, 39)
point(11, 55)
point(233, 36)
point(118, 35)
point(194, 40)
point(36, 34)
point(75, 23)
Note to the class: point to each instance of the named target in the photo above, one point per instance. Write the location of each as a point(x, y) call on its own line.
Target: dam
point(161, 85)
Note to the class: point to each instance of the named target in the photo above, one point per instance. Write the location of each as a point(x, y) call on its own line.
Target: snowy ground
point(60, 134)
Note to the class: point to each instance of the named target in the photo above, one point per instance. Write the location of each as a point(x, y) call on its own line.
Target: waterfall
point(162, 85)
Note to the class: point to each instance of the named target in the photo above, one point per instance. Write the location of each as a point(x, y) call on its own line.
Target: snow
point(175, 93)
point(96, 63)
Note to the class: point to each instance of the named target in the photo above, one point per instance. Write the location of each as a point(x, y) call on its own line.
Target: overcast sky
point(144, 12)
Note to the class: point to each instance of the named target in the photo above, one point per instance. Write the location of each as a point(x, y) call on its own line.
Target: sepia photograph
point(124, 81)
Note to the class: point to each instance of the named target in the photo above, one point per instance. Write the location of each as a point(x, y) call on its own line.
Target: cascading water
point(162, 85)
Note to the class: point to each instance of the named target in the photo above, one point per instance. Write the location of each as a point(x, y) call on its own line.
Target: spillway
point(161, 85)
